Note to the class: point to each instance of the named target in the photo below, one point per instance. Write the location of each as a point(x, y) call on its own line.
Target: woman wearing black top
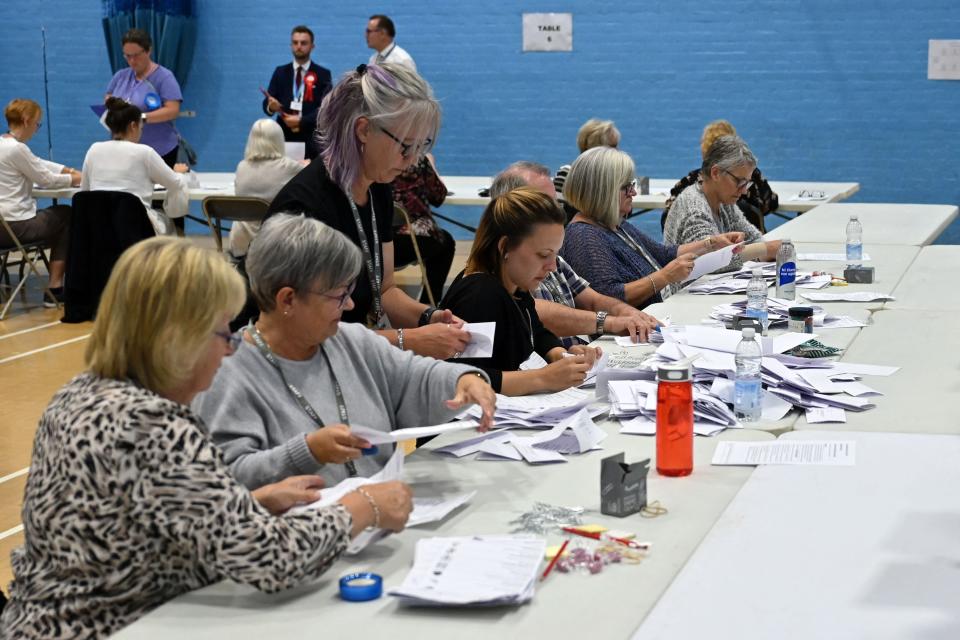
point(377, 121)
point(516, 246)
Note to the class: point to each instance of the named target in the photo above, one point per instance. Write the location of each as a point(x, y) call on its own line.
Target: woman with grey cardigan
point(282, 404)
point(709, 207)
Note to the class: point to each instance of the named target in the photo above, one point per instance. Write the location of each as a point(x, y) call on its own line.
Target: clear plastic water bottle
point(757, 299)
point(786, 270)
point(854, 241)
point(747, 389)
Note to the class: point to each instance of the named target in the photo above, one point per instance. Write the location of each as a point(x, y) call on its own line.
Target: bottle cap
point(757, 271)
point(853, 216)
point(673, 372)
point(747, 333)
point(360, 587)
point(800, 312)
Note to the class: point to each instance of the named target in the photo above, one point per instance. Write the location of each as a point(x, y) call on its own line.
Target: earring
point(363, 147)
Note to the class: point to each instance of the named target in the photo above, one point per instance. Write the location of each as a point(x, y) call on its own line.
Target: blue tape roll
point(360, 587)
point(370, 451)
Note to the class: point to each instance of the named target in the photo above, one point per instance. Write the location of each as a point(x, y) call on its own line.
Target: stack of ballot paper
point(778, 311)
point(540, 411)
point(475, 571)
point(573, 435)
point(736, 281)
point(823, 388)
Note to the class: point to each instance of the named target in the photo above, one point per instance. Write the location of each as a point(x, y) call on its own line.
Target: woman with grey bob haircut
point(614, 256)
point(709, 207)
point(282, 404)
point(377, 121)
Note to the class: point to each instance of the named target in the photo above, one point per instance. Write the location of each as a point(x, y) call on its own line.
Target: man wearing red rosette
point(296, 91)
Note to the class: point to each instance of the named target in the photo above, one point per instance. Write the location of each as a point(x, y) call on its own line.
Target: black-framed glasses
point(406, 148)
point(741, 183)
point(630, 186)
point(232, 339)
point(342, 298)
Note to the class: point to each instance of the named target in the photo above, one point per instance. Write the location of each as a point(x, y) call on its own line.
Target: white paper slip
point(864, 369)
point(828, 257)
point(710, 262)
point(858, 389)
point(627, 341)
point(825, 414)
point(639, 426)
point(426, 510)
point(471, 445)
point(295, 150)
point(535, 455)
point(849, 296)
point(393, 470)
point(831, 452)
point(481, 339)
point(374, 436)
point(535, 361)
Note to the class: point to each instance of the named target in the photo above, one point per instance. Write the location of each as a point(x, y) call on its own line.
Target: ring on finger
point(457, 354)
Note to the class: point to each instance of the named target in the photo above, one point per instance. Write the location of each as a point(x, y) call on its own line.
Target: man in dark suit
point(296, 91)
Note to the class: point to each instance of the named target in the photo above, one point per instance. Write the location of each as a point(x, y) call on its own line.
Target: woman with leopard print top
point(128, 503)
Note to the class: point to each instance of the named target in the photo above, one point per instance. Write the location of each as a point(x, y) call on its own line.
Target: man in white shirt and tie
point(296, 91)
point(380, 35)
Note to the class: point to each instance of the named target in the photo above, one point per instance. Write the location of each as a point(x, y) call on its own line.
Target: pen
point(563, 548)
point(596, 535)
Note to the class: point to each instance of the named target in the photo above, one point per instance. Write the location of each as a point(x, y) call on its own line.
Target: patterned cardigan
point(129, 504)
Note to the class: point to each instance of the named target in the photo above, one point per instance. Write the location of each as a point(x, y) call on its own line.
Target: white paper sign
point(548, 32)
point(943, 60)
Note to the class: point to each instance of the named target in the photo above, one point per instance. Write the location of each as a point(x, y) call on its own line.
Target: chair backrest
point(236, 208)
point(103, 225)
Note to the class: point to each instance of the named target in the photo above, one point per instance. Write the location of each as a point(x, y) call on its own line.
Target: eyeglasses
point(232, 339)
point(630, 186)
point(406, 148)
point(132, 56)
point(741, 183)
point(342, 298)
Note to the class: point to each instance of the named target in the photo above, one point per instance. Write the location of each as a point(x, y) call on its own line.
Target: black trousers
point(437, 258)
point(170, 159)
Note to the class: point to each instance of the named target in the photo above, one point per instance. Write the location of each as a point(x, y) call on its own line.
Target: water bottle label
point(854, 251)
point(746, 398)
point(788, 273)
point(760, 315)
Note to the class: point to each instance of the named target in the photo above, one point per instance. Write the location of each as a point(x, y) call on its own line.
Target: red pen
point(563, 548)
point(596, 535)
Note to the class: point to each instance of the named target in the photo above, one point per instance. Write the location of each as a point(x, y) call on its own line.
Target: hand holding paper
point(710, 262)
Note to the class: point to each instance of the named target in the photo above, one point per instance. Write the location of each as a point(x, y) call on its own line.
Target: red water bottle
point(674, 420)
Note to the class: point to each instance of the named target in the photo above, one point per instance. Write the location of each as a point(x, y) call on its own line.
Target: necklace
point(529, 320)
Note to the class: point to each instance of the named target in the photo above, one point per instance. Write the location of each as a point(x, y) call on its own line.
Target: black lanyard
point(297, 394)
point(371, 259)
point(550, 282)
point(529, 320)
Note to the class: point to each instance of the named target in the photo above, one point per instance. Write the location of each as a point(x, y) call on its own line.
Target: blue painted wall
point(821, 90)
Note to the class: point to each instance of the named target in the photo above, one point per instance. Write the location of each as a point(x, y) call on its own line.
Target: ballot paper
point(627, 341)
point(710, 262)
point(847, 296)
point(427, 510)
point(375, 436)
point(535, 361)
point(828, 257)
point(473, 571)
point(471, 446)
point(794, 452)
point(393, 470)
point(816, 415)
point(481, 340)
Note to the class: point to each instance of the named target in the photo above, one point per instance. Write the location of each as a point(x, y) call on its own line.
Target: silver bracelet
point(373, 505)
point(653, 283)
point(400, 339)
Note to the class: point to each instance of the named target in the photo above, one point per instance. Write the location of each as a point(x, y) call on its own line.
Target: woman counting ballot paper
point(377, 121)
point(129, 503)
point(282, 404)
point(516, 246)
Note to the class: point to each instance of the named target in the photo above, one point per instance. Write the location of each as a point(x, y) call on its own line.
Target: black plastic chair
point(233, 208)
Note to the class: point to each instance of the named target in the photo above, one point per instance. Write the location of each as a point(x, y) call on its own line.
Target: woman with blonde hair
point(264, 170)
point(593, 133)
point(129, 503)
point(616, 258)
point(19, 170)
point(516, 246)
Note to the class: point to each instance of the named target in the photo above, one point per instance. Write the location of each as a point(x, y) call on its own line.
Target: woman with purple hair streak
point(377, 121)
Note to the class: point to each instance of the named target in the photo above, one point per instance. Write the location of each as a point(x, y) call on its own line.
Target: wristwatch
point(425, 316)
point(601, 318)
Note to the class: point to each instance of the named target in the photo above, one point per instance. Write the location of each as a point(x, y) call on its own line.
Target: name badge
point(296, 105)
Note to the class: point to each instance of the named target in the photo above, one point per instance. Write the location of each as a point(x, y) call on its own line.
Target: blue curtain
point(171, 26)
